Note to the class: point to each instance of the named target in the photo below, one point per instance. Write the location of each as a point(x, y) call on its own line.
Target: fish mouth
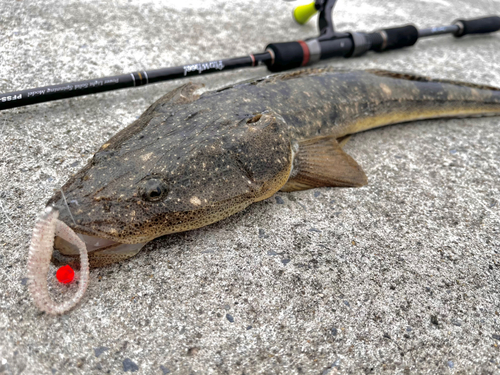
point(95, 245)
point(104, 243)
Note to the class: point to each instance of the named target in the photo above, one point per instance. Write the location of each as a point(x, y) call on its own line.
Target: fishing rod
point(277, 56)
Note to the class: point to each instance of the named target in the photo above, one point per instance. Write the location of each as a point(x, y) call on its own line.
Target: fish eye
point(154, 190)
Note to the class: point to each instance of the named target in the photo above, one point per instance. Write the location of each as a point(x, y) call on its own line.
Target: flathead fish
point(191, 160)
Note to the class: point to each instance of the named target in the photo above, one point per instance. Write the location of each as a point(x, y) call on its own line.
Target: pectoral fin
point(320, 162)
point(343, 140)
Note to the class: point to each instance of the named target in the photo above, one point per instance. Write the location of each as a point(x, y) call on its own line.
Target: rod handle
point(481, 25)
point(285, 56)
point(393, 38)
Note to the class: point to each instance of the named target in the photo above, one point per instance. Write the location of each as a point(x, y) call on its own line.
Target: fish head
point(146, 186)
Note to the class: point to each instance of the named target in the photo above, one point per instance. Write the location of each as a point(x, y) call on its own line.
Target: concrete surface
point(400, 276)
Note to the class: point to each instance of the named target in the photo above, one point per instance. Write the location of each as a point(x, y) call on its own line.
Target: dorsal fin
point(414, 77)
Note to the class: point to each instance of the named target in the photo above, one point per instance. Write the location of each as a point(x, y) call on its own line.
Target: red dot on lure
point(65, 274)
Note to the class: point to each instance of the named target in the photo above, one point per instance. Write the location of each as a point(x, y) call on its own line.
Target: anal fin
point(321, 162)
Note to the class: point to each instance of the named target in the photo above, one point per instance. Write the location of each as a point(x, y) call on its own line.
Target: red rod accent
point(305, 49)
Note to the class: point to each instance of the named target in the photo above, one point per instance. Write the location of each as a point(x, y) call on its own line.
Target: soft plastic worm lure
point(41, 247)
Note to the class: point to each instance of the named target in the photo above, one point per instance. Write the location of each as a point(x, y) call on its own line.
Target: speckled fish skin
point(191, 160)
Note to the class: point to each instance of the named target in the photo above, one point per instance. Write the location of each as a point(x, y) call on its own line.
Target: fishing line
point(66, 203)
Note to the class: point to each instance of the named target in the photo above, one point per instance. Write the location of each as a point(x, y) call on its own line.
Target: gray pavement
point(400, 276)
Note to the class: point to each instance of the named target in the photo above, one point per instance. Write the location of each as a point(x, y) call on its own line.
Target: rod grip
point(394, 38)
point(481, 25)
point(286, 56)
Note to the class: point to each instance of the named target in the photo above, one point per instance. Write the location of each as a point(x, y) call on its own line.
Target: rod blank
point(141, 78)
